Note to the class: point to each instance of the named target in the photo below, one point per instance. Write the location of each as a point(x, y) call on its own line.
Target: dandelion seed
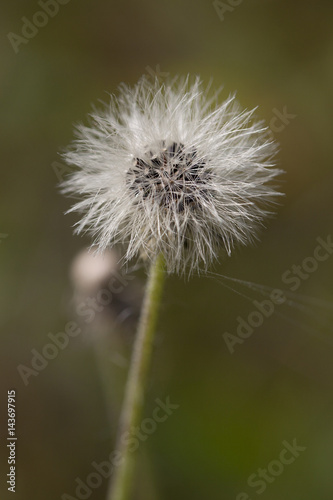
point(165, 169)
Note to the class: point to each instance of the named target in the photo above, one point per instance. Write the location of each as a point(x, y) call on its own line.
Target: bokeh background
point(235, 410)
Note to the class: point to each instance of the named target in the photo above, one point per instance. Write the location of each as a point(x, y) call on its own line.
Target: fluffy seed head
point(164, 168)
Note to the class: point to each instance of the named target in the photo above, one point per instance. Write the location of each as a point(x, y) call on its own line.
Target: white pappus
point(164, 168)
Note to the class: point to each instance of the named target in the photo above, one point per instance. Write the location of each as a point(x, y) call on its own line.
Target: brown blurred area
point(235, 410)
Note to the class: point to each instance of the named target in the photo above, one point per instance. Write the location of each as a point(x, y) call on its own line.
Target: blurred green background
point(234, 409)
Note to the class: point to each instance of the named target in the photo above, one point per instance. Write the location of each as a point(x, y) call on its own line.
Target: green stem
point(121, 479)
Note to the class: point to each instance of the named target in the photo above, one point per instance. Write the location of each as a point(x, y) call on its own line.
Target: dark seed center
point(171, 176)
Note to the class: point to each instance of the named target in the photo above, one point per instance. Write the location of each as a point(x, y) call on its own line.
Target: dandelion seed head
point(164, 168)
